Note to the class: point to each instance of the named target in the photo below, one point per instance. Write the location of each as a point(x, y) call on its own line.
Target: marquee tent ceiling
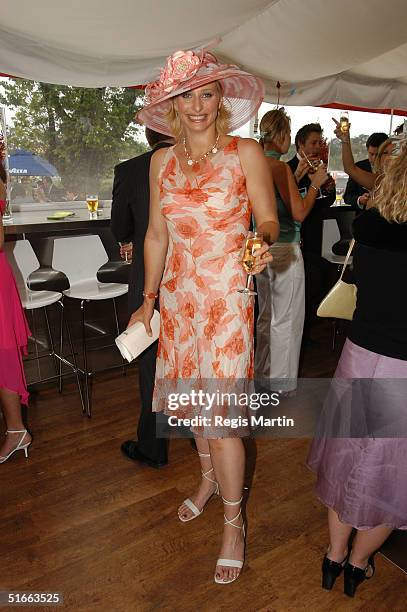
point(322, 51)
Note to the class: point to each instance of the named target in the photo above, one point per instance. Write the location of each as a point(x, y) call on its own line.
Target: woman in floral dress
point(203, 193)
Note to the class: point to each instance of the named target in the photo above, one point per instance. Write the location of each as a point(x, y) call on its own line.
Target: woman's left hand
point(263, 256)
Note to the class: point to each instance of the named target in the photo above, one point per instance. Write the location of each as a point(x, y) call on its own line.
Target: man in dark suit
point(356, 195)
point(308, 143)
point(129, 222)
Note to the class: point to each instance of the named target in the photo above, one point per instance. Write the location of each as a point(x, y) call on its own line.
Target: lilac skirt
point(362, 470)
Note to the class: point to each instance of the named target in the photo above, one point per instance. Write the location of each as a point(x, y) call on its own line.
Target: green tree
point(335, 150)
point(83, 132)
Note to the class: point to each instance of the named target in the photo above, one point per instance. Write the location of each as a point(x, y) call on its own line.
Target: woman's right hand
point(143, 314)
point(319, 177)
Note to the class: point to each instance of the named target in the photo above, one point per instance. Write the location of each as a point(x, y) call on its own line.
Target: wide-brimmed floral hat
point(243, 93)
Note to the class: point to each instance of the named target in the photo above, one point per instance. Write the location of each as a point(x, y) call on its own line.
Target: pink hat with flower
point(187, 70)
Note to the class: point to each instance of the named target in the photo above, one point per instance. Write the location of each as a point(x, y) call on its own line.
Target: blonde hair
point(378, 161)
point(274, 125)
point(222, 121)
point(390, 195)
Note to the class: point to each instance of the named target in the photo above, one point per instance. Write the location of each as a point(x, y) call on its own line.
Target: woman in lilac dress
point(360, 451)
point(14, 334)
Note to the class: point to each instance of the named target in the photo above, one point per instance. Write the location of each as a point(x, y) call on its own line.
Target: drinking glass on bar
point(344, 122)
point(92, 202)
point(253, 242)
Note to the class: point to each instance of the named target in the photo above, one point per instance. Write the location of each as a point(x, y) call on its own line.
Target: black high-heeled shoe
point(330, 572)
point(353, 576)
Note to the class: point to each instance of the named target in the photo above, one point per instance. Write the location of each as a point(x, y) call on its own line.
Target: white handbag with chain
point(340, 302)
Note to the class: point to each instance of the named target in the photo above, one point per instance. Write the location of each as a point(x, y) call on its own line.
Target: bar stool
point(23, 262)
point(79, 258)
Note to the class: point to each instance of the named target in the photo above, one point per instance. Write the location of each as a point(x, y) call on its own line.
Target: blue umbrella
point(24, 163)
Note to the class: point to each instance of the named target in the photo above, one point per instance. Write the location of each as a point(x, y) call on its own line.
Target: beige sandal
point(231, 562)
point(190, 504)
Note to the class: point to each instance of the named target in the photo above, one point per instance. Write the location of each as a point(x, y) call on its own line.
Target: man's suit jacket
point(130, 211)
point(353, 189)
point(311, 228)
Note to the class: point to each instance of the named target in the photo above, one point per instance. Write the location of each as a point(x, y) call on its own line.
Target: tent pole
point(7, 215)
point(254, 125)
point(391, 120)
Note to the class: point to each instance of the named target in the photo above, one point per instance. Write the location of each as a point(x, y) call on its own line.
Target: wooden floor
point(79, 518)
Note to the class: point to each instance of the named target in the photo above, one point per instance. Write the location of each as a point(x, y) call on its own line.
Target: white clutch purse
point(135, 340)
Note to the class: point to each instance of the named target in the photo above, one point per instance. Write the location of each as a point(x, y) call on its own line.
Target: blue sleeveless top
point(289, 229)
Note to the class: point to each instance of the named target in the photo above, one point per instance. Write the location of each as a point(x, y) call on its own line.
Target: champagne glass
point(92, 202)
point(344, 122)
point(253, 242)
point(126, 259)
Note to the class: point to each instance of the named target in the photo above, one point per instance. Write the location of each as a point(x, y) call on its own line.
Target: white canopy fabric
point(322, 51)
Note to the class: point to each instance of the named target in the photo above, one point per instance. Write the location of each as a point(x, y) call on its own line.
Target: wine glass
point(253, 242)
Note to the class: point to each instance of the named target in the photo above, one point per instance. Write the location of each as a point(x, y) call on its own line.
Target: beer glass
point(92, 202)
point(344, 122)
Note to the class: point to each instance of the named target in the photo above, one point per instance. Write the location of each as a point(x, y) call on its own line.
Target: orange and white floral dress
point(206, 335)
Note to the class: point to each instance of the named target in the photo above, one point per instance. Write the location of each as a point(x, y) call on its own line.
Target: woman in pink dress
point(203, 192)
point(14, 334)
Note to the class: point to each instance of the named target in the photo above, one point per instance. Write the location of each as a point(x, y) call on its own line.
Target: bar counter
point(32, 218)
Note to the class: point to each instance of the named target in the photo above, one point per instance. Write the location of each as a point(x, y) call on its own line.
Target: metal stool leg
point(118, 330)
point(61, 341)
point(74, 362)
point(51, 342)
point(37, 356)
point(87, 375)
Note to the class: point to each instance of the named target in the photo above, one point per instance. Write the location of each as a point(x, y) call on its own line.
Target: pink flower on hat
point(181, 66)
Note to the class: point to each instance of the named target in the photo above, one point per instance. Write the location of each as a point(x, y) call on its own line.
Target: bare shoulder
point(281, 167)
point(159, 155)
point(251, 156)
point(248, 147)
point(157, 160)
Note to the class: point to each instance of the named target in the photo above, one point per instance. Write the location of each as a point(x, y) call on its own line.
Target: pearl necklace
point(193, 162)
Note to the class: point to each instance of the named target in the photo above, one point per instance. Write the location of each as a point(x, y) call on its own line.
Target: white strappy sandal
point(20, 445)
point(231, 562)
point(190, 504)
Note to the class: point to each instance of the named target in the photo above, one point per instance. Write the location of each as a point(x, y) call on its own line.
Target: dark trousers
point(152, 447)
